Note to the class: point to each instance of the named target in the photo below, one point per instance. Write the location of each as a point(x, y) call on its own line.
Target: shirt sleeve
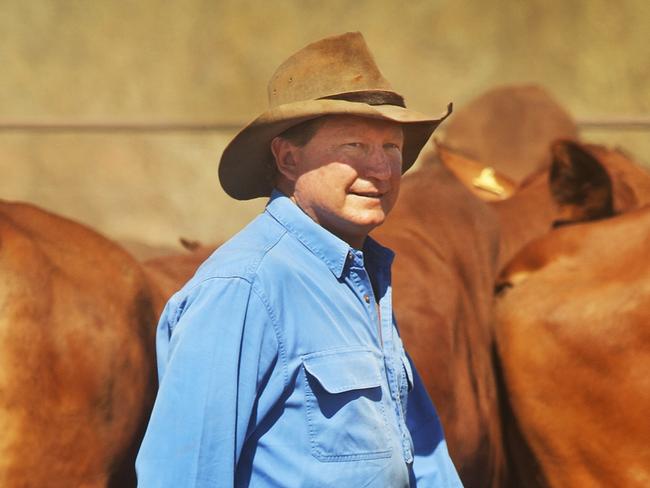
point(432, 466)
point(216, 349)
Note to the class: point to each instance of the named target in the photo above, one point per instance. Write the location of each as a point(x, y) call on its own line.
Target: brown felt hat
point(336, 75)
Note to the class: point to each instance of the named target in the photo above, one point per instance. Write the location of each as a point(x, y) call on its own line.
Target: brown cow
point(76, 320)
point(169, 273)
point(572, 332)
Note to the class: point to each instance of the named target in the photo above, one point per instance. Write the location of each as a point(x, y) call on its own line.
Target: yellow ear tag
point(487, 181)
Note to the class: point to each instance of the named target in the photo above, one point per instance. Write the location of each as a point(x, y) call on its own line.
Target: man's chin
point(369, 220)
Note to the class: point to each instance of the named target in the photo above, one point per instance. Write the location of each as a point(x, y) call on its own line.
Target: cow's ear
point(579, 184)
point(483, 181)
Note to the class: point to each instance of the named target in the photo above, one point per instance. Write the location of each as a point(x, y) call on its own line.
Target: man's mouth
point(367, 194)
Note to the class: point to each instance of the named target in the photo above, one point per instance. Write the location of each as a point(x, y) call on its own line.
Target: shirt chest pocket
point(345, 411)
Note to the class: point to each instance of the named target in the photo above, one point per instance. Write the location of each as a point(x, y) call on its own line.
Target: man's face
point(347, 176)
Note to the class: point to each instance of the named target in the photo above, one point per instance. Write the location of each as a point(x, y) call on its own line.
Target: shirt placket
point(381, 315)
point(363, 289)
point(394, 367)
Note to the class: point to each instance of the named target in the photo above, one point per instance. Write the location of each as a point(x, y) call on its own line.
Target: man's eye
point(353, 144)
point(390, 145)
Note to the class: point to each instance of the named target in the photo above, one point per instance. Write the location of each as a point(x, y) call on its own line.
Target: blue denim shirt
point(278, 368)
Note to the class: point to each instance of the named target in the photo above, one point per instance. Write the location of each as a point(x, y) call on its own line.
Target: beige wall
point(209, 60)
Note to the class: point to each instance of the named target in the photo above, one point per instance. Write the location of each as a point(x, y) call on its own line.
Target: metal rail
point(622, 123)
point(116, 126)
point(640, 123)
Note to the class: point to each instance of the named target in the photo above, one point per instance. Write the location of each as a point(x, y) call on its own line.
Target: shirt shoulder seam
point(256, 263)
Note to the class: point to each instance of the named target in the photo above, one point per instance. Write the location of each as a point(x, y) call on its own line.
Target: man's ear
point(285, 158)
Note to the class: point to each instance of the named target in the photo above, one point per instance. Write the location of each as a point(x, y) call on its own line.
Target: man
point(279, 362)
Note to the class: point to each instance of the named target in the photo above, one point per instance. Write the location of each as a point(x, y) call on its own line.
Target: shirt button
point(350, 256)
point(366, 298)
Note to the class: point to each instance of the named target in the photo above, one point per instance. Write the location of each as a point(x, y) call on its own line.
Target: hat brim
point(244, 172)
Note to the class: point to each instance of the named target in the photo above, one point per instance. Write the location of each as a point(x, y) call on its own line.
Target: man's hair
point(300, 134)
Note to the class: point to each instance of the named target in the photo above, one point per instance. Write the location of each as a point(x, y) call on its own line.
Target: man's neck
point(354, 241)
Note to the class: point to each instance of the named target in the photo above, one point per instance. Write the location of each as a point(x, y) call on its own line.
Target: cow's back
point(575, 348)
point(76, 324)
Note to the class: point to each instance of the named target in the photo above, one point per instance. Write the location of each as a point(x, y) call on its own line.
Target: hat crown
point(331, 66)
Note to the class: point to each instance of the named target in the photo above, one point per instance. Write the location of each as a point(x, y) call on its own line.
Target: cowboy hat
point(336, 75)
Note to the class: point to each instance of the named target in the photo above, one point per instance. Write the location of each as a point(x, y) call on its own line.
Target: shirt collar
point(332, 250)
point(380, 255)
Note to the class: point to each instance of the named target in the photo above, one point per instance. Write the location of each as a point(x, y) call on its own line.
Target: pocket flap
point(339, 371)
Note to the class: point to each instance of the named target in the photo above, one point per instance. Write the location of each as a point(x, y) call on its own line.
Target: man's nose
point(380, 164)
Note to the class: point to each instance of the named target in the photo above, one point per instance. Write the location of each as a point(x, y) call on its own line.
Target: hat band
point(377, 97)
